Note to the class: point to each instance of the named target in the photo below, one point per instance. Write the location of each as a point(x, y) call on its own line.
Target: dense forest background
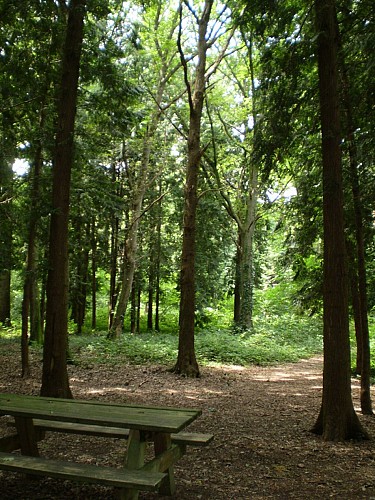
point(196, 183)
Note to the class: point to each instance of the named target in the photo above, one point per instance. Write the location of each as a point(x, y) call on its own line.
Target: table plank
point(152, 419)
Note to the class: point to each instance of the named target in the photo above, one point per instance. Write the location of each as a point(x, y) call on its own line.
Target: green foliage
point(273, 340)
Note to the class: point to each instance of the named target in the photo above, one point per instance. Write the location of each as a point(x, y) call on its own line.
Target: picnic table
point(140, 425)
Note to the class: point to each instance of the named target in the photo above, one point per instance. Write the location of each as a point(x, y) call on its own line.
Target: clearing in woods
point(260, 416)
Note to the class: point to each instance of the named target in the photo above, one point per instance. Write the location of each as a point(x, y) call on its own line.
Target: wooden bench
point(181, 438)
point(108, 476)
point(164, 428)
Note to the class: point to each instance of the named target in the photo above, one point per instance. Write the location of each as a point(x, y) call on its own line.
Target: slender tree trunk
point(186, 361)
point(362, 313)
point(133, 308)
point(141, 182)
point(150, 302)
point(337, 419)
point(30, 303)
point(356, 314)
point(237, 279)
point(131, 244)
point(158, 257)
point(6, 235)
point(138, 317)
point(55, 381)
point(93, 274)
point(113, 257)
point(130, 254)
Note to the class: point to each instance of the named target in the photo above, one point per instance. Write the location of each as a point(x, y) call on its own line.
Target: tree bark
point(186, 361)
point(361, 299)
point(93, 274)
point(337, 420)
point(55, 381)
point(6, 176)
point(129, 265)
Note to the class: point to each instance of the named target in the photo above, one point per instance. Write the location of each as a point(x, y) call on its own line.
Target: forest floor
point(260, 417)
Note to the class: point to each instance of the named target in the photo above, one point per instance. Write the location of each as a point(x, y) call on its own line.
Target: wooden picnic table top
point(143, 418)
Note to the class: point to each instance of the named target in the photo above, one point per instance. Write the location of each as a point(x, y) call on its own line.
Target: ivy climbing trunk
point(55, 381)
point(246, 253)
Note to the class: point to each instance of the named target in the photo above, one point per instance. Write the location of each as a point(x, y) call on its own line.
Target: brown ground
point(260, 417)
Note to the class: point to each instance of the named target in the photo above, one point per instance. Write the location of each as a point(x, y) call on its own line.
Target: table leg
point(27, 436)
point(162, 442)
point(135, 459)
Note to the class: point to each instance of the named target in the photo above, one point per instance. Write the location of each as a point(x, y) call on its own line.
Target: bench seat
point(109, 476)
point(183, 438)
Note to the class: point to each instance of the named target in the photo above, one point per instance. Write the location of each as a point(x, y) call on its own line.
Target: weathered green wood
point(135, 458)
point(121, 478)
point(162, 447)
point(187, 438)
point(126, 416)
point(166, 459)
point(10, 443)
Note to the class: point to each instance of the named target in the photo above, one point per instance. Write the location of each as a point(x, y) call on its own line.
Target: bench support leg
point(135, 459)
point(163, 442)
point(27, 436)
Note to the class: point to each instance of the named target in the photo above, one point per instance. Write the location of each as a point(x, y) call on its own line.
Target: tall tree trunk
point(142, 179)
point(55, 381)
point(93, 274)
point(362, 316)
point(130, 254)
point(158, 257)
point(30, 275)
point(337, 419)
point(30, 303)
point(133, 308)
point(150, 302)
point(237, 279)
point(186, 363)
point(356, 310)
point(6, 176)
point(247, 254)
point(113, 255)
point(78, 295)
point(131, 245)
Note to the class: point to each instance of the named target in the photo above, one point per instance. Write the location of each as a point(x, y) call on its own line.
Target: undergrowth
point(280, 340)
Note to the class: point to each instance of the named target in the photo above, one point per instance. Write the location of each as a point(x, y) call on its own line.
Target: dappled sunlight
point(105, 390)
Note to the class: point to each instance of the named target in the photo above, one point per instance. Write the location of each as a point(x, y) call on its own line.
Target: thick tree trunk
point(55, 381)
point(337, 419)
point(247, 255)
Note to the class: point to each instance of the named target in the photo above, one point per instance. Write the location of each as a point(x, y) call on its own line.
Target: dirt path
point(260, 417)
